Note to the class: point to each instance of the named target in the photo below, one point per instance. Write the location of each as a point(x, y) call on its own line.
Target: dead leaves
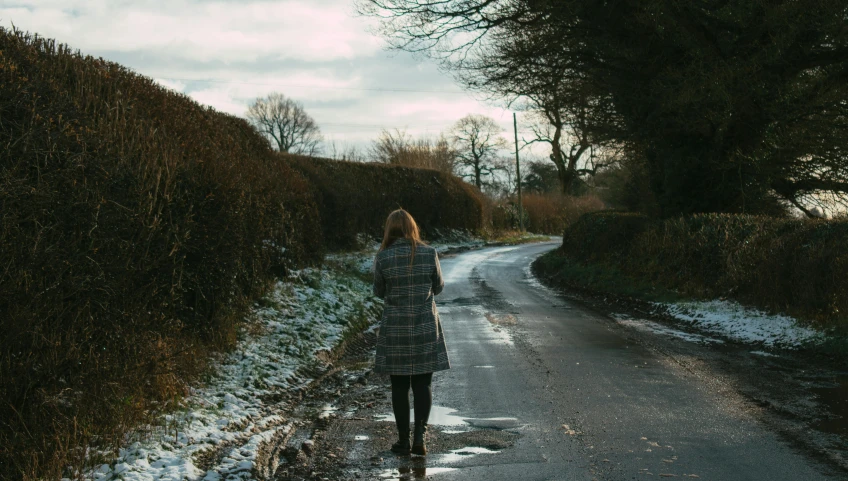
point(569, 431)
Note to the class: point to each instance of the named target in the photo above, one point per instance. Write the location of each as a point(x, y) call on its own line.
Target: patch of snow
point(657, 328)
point(735, 321)
point(227, 415)
point(764, 354)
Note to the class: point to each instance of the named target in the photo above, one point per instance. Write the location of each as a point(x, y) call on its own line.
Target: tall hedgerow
point(356, 197)
point(135, 225)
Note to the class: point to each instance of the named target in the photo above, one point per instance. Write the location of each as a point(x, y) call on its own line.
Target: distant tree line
point(470, 149)
point(717, 106)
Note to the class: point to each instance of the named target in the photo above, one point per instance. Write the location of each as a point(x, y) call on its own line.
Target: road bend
point(588, 402)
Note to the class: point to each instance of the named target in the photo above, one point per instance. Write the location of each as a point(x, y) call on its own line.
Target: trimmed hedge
point(786, 265)
point(135, 227)
point(357, 197)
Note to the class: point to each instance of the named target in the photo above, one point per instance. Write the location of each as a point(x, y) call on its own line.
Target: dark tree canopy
point(731, 105)
point(541, 178)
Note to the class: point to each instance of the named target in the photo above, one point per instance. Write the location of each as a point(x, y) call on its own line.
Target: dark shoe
point(402, 446)
point(418, 446)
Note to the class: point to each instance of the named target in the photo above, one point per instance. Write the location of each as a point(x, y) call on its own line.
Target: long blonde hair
point(401, 225)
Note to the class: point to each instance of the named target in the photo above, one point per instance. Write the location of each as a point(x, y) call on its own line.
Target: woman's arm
point(379, 282)
point(438, 282)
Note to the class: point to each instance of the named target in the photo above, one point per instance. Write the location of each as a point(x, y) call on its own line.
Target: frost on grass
point(657, 328)
point(307, 313)
point(734, 321)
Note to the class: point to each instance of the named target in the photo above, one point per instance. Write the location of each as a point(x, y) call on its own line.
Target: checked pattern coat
point(410, 339)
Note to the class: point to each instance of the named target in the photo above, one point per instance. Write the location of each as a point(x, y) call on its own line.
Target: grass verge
point(597, 281)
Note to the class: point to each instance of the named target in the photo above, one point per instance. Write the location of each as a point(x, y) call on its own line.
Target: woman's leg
point(400, 400)
point(422, 390)
point(400, 406)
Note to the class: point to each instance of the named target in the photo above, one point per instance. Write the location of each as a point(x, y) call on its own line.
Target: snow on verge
point(307, 313)
point(735, 321)
point(657, 328)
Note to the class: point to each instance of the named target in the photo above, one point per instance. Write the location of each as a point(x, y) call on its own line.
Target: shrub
point(778, 264)
point(552, 213)
point(357, 197)
point(135, 225)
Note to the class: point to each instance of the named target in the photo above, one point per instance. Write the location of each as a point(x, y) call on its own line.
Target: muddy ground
point(344, 430)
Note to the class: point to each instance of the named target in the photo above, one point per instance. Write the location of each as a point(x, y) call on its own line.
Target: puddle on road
point(439, 416)
point(404, 473)
point(444, 416)
point(836, 401)
point(493, 423)
point(463, 453)
point(483, 367)
point(416, 468)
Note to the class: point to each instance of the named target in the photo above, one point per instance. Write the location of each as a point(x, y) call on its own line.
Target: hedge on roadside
point(552, 213)
point(135, 227)
point(796, 266)
point(356, 197)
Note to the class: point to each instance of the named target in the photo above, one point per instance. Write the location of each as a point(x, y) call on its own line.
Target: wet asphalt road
point(588, 402)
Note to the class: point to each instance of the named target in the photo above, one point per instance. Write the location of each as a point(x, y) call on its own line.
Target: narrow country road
point(543, 388)
point(587, 402)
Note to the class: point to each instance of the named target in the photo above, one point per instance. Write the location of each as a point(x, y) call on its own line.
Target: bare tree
point(399, 148)
point(286, 122)
point(477, 141)
point(566, 127)
point(391, 147)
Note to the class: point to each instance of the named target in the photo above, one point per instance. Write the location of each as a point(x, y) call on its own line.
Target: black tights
point(422, 392)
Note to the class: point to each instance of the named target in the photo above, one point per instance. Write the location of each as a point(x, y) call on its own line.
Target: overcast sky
point(225, 53)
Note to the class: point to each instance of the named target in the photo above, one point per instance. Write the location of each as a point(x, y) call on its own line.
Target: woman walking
point(410, 342)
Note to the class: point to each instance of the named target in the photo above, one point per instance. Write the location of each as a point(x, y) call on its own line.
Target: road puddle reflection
point(493, 423)
point(463, 453)
point(417, 468)
point(445, 416)
point(403, 473)
point(439, 416)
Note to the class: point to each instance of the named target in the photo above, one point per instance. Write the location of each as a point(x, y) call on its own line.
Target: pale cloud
point(227, 53)
point(202, 30)
point(171, 84)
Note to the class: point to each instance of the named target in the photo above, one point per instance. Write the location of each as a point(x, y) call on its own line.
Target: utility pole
point(518, 174)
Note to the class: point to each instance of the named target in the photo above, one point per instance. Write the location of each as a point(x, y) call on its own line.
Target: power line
point(362, 89)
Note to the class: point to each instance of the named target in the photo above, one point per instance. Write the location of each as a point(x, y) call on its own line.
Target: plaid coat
point(410, 340)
